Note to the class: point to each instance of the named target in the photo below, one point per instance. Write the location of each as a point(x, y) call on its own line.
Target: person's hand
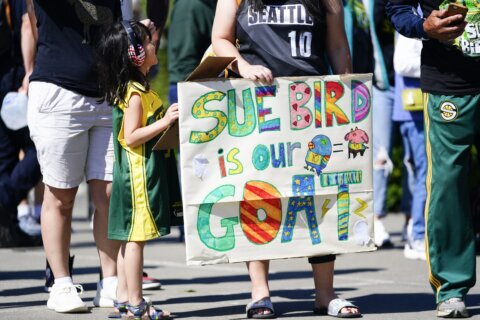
point(441, 27)
point(150, 25)
point(153, 31)
point(172, 113)
point(255, 72)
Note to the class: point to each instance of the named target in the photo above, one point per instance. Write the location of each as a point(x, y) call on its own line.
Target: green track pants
point(451, 123)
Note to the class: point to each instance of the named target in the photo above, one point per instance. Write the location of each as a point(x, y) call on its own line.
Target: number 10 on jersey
point(301, 46)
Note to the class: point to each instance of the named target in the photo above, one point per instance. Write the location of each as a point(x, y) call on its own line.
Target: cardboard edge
point(170, 138)
point(211, 67)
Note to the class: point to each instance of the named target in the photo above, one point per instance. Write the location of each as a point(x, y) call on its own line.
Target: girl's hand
point(255, 72)
point(172, 113)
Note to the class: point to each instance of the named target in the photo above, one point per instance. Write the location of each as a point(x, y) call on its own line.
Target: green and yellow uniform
point(139, 204)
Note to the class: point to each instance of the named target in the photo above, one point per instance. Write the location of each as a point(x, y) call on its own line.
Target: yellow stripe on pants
point(428, 182)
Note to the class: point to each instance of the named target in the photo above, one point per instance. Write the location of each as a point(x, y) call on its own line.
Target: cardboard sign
point(277, 171)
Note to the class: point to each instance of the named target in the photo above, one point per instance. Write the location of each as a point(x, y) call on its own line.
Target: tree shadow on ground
point(294, 294)
point(40, 274)
point(282, 275)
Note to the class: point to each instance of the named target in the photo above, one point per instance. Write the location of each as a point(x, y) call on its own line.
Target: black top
point(450, 68)
point(283, 38)
point(67, 30)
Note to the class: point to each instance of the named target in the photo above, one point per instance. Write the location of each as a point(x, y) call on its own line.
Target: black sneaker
point(12, 237)
point(50, 279)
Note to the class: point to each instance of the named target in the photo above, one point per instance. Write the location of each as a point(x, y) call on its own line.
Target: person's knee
point(60, 199)
point(100, 194)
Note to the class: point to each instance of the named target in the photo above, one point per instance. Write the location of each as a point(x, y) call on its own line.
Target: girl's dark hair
point(313, 7)
point(114, 67)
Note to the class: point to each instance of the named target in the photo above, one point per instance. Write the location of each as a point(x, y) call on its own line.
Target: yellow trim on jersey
point(143, 224)
point(428, 148)
point(150, 103)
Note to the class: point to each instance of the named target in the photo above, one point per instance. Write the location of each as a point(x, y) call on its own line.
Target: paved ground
point(384, 284)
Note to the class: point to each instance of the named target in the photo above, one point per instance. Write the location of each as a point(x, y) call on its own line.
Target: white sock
point(63, 281)
point(109, 281)
point(23, 210)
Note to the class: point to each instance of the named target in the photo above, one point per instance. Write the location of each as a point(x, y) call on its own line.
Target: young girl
point(139, 206)
point(275, 38)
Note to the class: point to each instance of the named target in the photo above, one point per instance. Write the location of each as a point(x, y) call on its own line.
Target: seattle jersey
point(282, 37)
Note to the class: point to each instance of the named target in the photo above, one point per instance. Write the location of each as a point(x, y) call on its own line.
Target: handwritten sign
point(276, 171)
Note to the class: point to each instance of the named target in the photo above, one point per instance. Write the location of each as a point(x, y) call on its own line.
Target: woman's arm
point(223, 42)
point(134, 133)
point(32, 18)
point(336, 41)
point(438, 25)
point(28, 46)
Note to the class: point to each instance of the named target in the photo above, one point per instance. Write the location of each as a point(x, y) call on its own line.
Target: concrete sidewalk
point(384, 284)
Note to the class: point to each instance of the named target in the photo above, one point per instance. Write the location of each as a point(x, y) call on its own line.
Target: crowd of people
point(92, 116)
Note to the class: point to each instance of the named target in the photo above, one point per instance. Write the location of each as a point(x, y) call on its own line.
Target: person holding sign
point(139, 207)
point(280, 39)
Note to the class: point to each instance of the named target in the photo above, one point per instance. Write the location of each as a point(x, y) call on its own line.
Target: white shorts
point(72, 134)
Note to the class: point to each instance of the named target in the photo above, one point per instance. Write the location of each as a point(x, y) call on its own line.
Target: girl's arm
point(336, 41)
point(134, 133)
point(223, 42)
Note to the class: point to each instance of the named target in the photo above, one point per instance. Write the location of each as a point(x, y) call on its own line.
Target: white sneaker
point(382, 237)
point(415, 250)
point(29, 225)
point(65, 298)
point(105, 295)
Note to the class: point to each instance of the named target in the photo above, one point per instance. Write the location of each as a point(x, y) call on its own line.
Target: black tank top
point(283, 37)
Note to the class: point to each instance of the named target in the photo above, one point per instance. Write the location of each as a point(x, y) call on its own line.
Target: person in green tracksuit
point(451, 86)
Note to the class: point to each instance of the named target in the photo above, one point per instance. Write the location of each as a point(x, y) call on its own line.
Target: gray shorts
point(72, 134)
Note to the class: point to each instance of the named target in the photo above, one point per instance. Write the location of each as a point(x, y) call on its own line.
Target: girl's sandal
point(121, 310)
point(145, 311)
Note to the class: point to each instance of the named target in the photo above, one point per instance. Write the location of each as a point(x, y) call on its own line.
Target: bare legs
point(57, 211)
point(323, 280)
point(57, 227)
point(130, 281)
point(107, 249)
point(258, 271)
point(322, 277)
point(130, 273)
